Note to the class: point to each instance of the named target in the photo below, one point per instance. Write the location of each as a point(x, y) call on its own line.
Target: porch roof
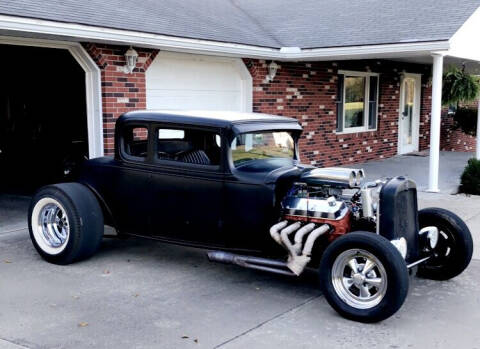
point(271, 29)
point(266, 23)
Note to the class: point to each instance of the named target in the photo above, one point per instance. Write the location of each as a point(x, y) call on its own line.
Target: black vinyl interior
point(197, 147)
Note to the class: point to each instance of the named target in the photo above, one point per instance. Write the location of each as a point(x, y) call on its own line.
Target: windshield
point(263, 145)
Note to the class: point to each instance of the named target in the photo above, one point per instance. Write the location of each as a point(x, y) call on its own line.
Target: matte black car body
point(283, 216)
point(217, 206)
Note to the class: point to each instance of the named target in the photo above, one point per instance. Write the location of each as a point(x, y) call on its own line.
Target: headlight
point(401, 246)
point(430, 234)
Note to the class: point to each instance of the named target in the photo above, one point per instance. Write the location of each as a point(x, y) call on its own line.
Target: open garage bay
point(43, 123)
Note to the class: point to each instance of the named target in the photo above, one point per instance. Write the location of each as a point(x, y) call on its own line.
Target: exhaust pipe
point(297, 246)
point(298, 263)
point(250, 262)
point(275, 231)
point(280, 233)
point(289, 230)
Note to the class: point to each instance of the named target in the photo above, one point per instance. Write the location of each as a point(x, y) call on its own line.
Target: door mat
point(423, 153)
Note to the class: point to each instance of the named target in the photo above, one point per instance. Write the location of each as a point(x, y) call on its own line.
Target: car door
point(127, 181)
point(187, 193)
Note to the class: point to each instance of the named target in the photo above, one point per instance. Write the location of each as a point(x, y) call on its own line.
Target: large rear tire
point(65, 222)
point(364, 277)
point(454, 249)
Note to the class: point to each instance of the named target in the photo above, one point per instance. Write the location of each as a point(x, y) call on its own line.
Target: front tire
point(65, 223)
point(363, 277)
point(454, 249)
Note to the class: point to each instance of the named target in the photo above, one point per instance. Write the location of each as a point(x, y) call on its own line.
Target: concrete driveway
point(416, 167)
point(143, 294)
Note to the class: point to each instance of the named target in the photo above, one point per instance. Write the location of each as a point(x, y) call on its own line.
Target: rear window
point(165, 133)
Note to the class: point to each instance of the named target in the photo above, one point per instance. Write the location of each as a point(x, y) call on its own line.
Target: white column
point(435, 122)
point(478, 132)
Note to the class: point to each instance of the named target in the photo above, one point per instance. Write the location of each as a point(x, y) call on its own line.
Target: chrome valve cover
point(314, 207)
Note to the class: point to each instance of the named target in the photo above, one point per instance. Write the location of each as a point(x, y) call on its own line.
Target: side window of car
point(135, 141)
point(192, 146)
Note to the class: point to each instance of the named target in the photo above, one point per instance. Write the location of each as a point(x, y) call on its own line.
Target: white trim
point(366, 103)
point(19, 25)
point(92, 85)
point(247, 86)
point(416, 112)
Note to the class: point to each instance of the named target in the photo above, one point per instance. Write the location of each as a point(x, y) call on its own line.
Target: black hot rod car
point(233, 183)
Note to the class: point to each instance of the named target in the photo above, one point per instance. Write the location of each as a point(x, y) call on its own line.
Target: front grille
point(399, 213)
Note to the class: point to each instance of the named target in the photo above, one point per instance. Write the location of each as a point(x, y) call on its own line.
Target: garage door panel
point(209, 100)
point(183, 81)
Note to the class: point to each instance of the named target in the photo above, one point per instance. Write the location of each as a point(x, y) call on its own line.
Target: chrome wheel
point(50, 225)
point(359, 278)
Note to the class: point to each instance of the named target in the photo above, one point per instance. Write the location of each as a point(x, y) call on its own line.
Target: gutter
point(20, 26)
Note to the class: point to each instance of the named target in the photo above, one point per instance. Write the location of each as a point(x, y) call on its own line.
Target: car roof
point(205, 117)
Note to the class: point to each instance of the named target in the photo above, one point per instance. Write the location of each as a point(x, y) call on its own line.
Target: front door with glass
point(408, 123)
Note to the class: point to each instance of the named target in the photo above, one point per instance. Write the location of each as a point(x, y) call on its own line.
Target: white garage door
point(185, 81)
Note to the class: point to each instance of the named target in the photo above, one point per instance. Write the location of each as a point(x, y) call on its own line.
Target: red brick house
point(362, 85)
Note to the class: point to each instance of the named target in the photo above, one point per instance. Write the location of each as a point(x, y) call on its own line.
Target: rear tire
point(454, 248)
point(65, 223)
point(358, 294)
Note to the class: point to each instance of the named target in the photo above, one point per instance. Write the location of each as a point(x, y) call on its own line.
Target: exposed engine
point(325, 202)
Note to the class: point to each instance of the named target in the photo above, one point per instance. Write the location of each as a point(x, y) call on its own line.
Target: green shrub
point(465, 119)
point(470, 179)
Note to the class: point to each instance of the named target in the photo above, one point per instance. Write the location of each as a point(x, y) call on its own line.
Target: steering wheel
point(163, 155)
point(177, 155)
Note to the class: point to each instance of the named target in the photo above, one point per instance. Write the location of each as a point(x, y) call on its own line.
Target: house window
point(452, 109)
point(357, 101)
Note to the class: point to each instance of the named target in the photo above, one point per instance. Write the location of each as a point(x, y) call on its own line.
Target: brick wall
point(121, 92)
point(455, 140)
point(308, 91)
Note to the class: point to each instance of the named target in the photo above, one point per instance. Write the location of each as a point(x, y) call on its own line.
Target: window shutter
point(341, 79)
point(373, 103)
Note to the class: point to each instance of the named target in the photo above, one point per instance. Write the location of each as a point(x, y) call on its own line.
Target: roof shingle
point(267, 23)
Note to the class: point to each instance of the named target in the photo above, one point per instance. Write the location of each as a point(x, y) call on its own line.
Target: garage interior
point(43, 117)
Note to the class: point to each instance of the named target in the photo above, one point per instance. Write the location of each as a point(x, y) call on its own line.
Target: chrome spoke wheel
point(359, 278)
point(50, 226)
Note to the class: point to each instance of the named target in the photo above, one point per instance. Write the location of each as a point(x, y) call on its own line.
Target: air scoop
point(334, 176)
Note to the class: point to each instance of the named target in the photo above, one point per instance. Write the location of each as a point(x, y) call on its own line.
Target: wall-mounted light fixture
point(131, 58)
point(272, 71)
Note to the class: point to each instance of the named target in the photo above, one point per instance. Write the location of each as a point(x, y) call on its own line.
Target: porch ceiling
point(471, 66)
